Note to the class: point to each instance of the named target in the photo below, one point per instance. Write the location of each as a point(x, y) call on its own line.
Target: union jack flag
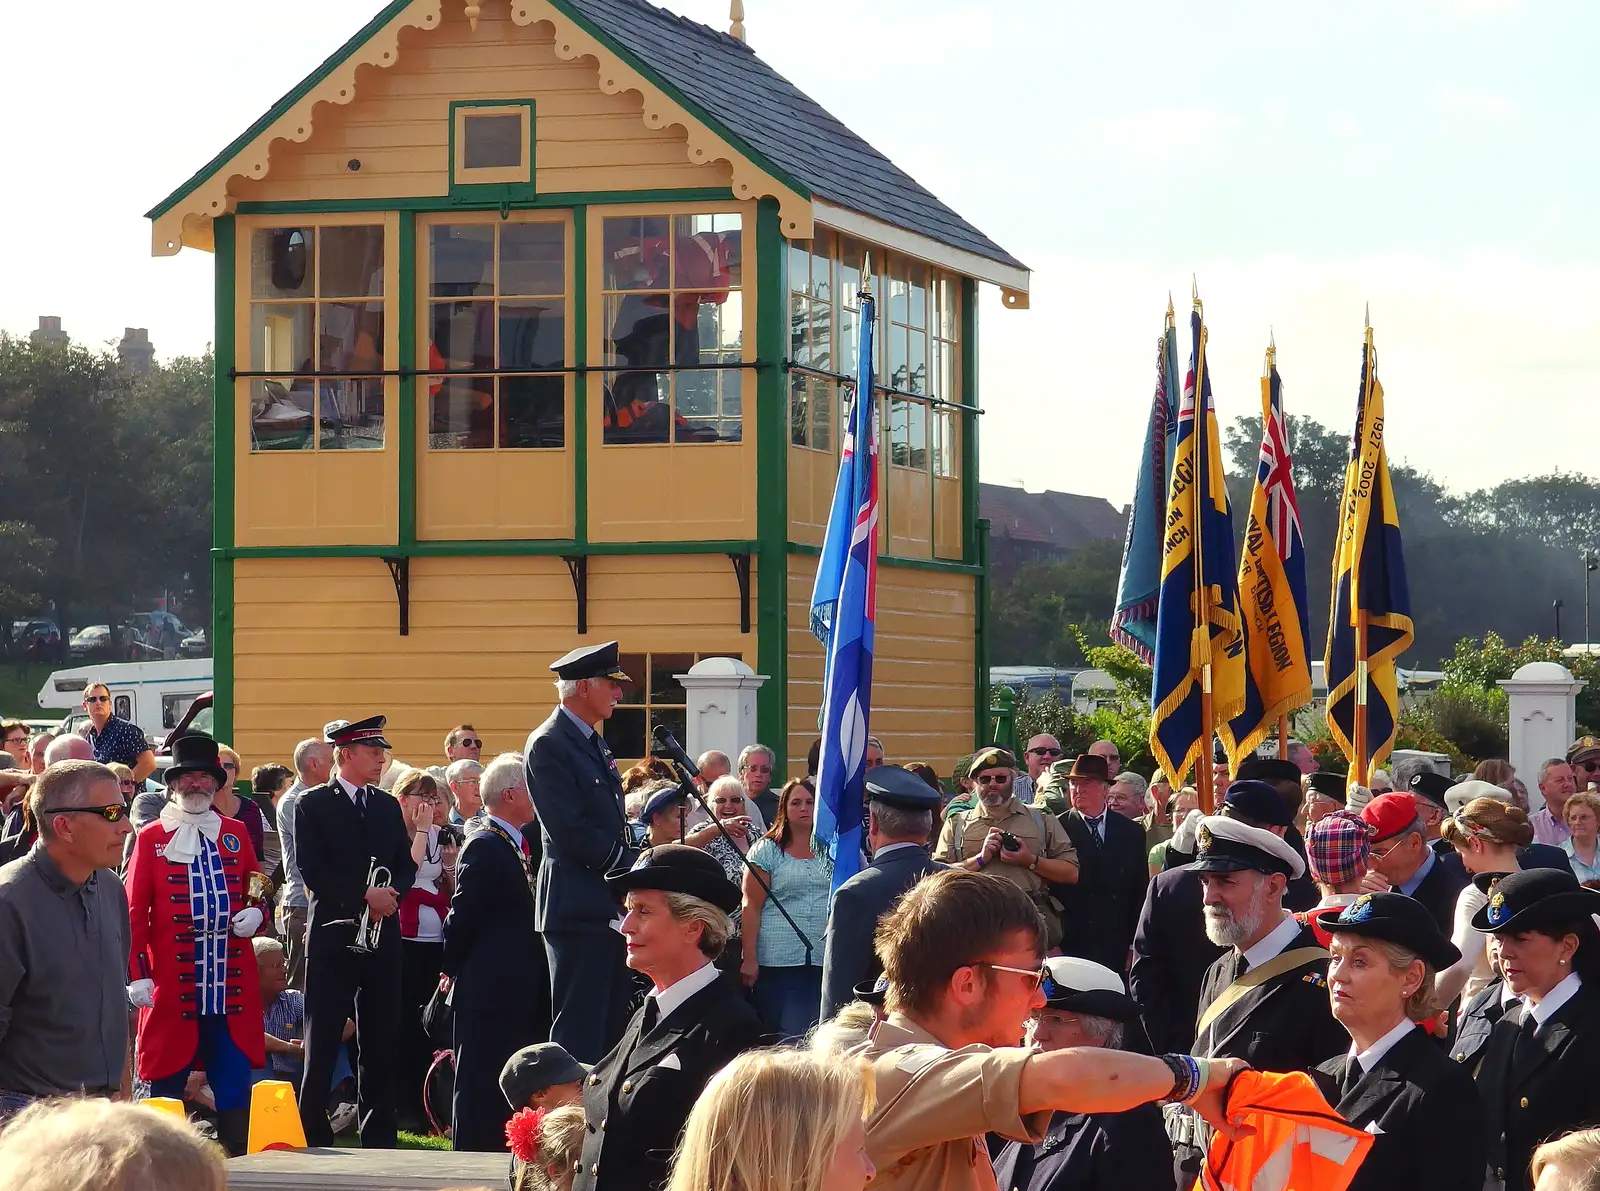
point(844, 607)
point(1275, 474)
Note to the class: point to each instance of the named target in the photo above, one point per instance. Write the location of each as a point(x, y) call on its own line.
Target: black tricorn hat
point(1395, 918)
point(678, 868)
point(1433, 787)
point(1533, 898)
point(194, 752)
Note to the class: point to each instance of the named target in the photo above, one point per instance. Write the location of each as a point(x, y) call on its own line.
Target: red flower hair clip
point(522, 1134)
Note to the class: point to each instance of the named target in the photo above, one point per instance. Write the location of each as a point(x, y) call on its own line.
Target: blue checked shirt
point(120, 742)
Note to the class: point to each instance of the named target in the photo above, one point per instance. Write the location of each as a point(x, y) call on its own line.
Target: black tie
point(1352, 1076)
point(1240, 966)
point(652, 1014)
point(1527, 1034)
point(1094, 828)
point(361, 800)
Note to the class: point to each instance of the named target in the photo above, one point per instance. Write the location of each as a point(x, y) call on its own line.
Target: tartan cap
point(1337, 847)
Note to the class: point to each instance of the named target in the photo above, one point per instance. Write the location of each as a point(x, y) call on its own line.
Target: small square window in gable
point(493, 145)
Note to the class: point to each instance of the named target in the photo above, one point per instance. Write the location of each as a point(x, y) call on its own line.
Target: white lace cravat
point(187, 828)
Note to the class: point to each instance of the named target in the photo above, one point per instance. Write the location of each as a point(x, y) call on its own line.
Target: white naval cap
point(1226, 845)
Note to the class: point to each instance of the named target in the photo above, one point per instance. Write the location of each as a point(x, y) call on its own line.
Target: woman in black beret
point(1538, 1078)
point(1395, 1082)
point(677, 903)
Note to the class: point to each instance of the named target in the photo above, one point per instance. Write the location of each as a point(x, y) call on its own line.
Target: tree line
point(105, 485)
point(1488, 561)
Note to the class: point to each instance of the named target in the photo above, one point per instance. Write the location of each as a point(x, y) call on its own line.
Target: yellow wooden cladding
point(315, 497)
point(316, 639)
point(922, 665)
point(484, 494)
point(812, 477)
point(682, 492)
point(909, 504)
point(398, 126)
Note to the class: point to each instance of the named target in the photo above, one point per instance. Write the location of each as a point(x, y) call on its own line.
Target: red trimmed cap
point(367, 731)
point(1388, 815)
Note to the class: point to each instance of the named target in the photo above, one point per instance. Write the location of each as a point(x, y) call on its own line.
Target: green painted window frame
point(496, 192)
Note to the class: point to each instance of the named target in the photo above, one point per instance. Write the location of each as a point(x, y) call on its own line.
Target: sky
point(1429, 160)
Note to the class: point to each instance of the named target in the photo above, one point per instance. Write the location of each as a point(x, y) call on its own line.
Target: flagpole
point(1204, 783)
point(1267, 367)
point(1359, 735)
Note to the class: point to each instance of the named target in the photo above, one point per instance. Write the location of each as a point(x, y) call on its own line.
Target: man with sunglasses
point(1043, 751)
point(64, 943)
point(1584, 757)
point(961, 954)
point(461, 743)
point(1009, 839)
point(114, 739)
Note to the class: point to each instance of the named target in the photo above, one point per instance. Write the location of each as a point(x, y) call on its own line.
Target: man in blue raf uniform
point(584, 834)
point(341, 830)
point(900, 810)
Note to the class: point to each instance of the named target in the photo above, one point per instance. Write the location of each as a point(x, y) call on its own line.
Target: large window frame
point(435, 372)
point(655, 697)
point(627, 392)
point(274, 375)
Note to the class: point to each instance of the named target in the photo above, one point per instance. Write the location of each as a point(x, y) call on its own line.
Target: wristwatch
point(1034, 867)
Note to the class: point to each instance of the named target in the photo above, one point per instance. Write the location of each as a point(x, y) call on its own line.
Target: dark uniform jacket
point(847, 955)
point(1110, 1151)
point(1438, 892)
point(335, 845)
point(1170, 957)
point(501, 1001)
point(1533, 856)
point(638, 1097)
point(1283, 1024)
point(1475, 1024)
point(1423, 1112)
point(1542, 1089)
point(584, 832)
point(1101, 911)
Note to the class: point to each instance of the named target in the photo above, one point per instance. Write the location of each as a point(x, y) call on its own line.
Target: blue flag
point(843, 609)
point(1133, 621)
point(1200, 635)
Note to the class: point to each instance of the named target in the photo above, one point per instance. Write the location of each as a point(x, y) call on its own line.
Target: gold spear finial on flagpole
point(866, 275)
point(1195, 289)
point(1272, 349)
point(1172, 313)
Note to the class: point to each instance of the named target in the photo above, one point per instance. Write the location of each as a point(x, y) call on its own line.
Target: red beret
point(1389, 814)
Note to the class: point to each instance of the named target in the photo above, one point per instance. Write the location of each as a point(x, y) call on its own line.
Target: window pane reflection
point(281, 415)
point(350, 413)
point(352, 262)
point(351, 337)
point(533, 411)
point(463, 334)
point(463, 261)
point(280, 337)
point(461, 413)
point(283, 262)
point(533, 259)
point(533, 335)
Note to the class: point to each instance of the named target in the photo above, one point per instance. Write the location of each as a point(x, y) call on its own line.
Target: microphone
point(667, 745)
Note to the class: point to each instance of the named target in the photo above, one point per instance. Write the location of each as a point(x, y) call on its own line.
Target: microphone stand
point(688, 786)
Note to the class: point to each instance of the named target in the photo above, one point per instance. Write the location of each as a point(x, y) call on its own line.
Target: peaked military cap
point(899, 787)
point(367, 731)
point(591, 661)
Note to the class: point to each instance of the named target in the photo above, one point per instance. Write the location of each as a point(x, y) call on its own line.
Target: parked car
point(195, 646)
point(26, 630)
point(90, 640)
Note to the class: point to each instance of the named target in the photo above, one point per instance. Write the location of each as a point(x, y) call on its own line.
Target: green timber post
point(772, 486)
point(406, 421)
point(222, 471)
point(974, 532)
point(580, 383)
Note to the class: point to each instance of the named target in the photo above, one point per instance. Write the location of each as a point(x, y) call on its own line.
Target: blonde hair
point(845, 1031)
point(1419, 1006)
point(771, 1121)
point(716, 928)
point(95, 1145)
point(1577, 1156)
point(1582, 798)
point(416, 783)
point(124, 774)
point(238, 764)
point(560, 1144)
point(1490, 820)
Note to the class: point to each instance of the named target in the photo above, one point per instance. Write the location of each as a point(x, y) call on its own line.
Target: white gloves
point(142, 994)
point(1183, 839)
point(247, 921)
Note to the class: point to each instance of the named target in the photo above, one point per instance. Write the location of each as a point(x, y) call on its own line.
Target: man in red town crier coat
point(193, 968)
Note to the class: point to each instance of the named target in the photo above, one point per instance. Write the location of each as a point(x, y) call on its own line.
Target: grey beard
point(999, 799)
point(1224, 930)
point(194, 804)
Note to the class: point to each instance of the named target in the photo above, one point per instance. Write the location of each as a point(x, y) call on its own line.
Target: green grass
point(19, 697)
point(408, 1141)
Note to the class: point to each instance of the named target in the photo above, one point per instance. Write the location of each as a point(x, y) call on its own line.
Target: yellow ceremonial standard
point(532, 321)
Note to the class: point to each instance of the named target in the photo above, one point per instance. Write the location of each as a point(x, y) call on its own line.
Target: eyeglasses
point(97, 698)
point(992, 779)
point(128, 784)
point(1044, 752)
point(23, 739)
point(466, 742)
point(1387, 852)
point(230, 765)
point(759, 768)
point(112, 812)
point(1041, 976)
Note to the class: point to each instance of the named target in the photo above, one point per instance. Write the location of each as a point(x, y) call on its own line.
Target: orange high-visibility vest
point(1300, 1142)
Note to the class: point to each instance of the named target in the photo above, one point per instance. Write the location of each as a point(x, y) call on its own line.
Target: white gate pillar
point(1543, 718)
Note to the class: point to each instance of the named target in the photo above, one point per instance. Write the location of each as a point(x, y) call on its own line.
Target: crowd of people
point(1047, 970)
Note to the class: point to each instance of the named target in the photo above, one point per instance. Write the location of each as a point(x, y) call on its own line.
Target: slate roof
point(1058, 520)
point(777, 121)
